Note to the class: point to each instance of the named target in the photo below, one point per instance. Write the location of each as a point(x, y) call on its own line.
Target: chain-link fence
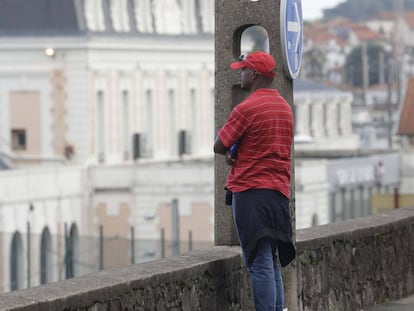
point(32, 259)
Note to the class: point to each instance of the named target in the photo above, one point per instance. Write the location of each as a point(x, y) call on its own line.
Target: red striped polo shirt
point(263, 124)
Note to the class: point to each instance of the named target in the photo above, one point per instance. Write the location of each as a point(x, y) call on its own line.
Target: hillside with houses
point(373, 59)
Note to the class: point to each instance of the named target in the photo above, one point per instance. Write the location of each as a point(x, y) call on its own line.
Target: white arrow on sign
point(295, 26)
point(291, 35)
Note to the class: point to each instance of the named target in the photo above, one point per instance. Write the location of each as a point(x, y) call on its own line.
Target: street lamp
point(50, 52)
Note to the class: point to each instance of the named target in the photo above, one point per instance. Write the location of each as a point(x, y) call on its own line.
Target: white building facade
point(323, 118)
point(105, 119)
point(89, 93)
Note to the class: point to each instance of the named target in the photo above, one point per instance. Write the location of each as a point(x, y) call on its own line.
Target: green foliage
point(358, 10)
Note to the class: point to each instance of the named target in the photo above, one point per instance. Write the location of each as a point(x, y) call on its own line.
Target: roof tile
point(406, 126)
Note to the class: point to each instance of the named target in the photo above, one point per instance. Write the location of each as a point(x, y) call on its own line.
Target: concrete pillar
point(232, 17)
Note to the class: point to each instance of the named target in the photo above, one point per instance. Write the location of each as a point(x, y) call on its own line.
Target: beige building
point(105, 115)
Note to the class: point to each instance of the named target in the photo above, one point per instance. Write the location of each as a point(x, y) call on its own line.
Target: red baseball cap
point(262, 62)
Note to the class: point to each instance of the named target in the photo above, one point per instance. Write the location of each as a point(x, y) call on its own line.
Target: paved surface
point(406, 304)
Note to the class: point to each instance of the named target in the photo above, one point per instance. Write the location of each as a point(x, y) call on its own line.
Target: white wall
point(112, 65)
point(407, 172)
point(142, 69)
point(311, 191)
point(43, 197)
point(334, 133)
point(152, 184)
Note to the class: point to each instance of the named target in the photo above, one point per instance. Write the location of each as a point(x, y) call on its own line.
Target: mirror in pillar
point(254, 38)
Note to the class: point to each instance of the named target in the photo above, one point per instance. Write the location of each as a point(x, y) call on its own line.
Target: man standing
point(261, 127)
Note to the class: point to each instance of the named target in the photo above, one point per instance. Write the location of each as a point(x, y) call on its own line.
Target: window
point(333, 206)
point(194, 123)
point(150, 123)
point(100, 126)
point(359, 201)
point(366, 201)
point(325, 120)
point(72, 253)
point(46, 266)
point(173, 126)
point(310, 120)
point(352, 203)
point(315, 220)
point(144, 16)
point(119, 14)
point(16, 262)
point(126, 125)
point(340, 204)
point(95, 19)
point(339, 119)
point(348, 203)
point(18, 139)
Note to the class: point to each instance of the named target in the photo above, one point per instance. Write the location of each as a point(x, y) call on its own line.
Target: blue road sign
point(291, 33)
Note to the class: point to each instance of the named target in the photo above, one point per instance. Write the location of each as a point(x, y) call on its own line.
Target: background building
point(106, 112)
point(107, 128)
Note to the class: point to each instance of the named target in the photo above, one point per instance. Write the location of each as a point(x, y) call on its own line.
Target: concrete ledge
point(344, 266)
point(357, 263)
point(204, 278)
point(315, 237)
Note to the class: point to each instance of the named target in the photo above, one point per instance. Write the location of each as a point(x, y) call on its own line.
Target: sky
point(312, 9)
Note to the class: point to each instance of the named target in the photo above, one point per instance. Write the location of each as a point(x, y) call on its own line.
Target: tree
point(358, 10)
point(313, 65)
point(377, 60)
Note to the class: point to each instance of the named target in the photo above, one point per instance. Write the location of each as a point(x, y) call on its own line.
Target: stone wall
point(342, 266)
point(211, 279)
point(358, 263)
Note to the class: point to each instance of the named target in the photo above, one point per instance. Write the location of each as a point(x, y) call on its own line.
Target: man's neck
point(263, 85)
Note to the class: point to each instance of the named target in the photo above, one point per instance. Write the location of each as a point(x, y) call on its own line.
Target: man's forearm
point(219, 146)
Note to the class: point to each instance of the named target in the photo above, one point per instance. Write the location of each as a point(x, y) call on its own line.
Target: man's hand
point(230, 161)
point(219, 147)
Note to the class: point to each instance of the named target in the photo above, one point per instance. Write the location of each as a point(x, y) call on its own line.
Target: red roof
point(406, 126)
point(321, 32)
point(408, 16)
point(364, 33)
point(386, 15)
